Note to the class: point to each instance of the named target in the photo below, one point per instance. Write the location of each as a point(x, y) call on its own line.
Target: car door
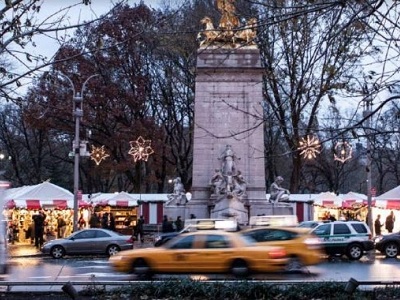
point(176, 257)
point(82, 242)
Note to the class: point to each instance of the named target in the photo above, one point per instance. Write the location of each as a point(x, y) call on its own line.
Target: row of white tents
point(50, 195)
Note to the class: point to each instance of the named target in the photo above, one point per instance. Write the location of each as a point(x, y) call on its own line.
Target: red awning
point(328, 203)
point(60, 204)
point(10, 204)
point(33, 204)
point(123, 203)
point(393, 204)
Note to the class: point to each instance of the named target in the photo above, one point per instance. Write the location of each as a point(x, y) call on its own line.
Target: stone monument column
point(228, 111)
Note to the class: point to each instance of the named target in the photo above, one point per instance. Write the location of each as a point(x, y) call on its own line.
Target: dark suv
point(350, 238)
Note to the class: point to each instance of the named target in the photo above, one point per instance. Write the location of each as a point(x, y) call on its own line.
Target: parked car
point(303, 248)
point(350, 238)
point(389, 244)
point(89, 241)
point(202, 252)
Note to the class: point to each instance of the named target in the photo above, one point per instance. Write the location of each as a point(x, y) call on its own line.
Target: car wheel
point(354, 251)
point(240, 268)
point(57, 252)
point(294, 265)
point(112, 250)
point(391, 250)
point(141, 268)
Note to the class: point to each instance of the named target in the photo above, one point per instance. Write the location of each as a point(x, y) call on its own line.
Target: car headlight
point(157, 238)
point(378, 238)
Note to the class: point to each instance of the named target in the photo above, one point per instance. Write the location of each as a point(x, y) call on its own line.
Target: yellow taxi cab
point(202, 252)
point(303, 248)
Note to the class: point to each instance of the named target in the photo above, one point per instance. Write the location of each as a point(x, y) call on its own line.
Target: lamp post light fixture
point(140, 151)
point(77, 112)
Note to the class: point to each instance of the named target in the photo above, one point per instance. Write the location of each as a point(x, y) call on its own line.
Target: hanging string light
point(140, 149)
point(98, 154)
point(309, 147)
point(343, 151)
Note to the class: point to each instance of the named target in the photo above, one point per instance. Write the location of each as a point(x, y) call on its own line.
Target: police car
point(350, 238)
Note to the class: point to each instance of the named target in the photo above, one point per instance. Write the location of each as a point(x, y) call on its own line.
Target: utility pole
point(367, 114)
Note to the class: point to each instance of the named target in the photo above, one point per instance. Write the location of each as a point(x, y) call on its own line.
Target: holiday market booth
point(127, 208)
point(350, 206)
point(386, 203)
point(24, 202)
point(122, 206)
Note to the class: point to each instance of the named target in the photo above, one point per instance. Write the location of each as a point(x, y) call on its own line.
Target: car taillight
point(130, 240)
point(369, 236)
point(277, 253)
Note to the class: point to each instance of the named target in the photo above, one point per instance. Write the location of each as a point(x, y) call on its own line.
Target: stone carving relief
point(178, 196)
point(228, 181)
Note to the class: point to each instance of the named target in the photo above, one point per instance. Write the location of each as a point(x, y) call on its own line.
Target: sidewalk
point(20, 249)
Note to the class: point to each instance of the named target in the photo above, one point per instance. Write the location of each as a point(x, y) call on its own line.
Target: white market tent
point(328, 199)
point(43, 195)
point(122, 199)
point(390, 199)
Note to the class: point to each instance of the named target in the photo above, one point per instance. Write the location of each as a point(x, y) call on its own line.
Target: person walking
point(39, 219)
point(94, 221)
point(389, 224)
point(378, 225)
point(140, 230)
point(61, 227)
point(178, 224)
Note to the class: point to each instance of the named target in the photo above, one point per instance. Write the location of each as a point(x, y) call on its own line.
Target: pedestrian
point(167, 225)
point(378, 225)
point(81, 222)
point(107, 221)
point(61, 226)
point(179, 223)
point(39, 220)
point(94, 221)
point(389, 224)
point(140, 229)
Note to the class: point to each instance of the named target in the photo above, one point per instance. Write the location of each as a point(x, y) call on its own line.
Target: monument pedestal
point(228, 111)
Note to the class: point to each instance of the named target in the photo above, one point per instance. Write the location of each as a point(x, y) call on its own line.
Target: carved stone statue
point(228, 180)
point(228, 188)
point(229, 20)
point(277, 192)
point(178, 196)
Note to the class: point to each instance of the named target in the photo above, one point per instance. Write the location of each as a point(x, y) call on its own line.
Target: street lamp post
point(368, 109)
point(77, 112)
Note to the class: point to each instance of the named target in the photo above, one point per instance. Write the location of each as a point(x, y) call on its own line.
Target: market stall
point(24, 202)
point(123, 208)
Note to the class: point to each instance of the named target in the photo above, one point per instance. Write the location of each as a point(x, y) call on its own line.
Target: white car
point(350, 238)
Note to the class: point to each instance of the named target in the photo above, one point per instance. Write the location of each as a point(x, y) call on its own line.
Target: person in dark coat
point(389, 224)
point(108, 222)
point(378, 225)
point(94, 221)
point(39, 220)
point(140, 229)
point(167, 225)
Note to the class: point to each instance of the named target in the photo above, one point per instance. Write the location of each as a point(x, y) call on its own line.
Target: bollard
point(69, 289)
point(351, 286)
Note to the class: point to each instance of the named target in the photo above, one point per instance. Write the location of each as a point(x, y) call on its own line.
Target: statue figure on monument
point(217, 182)
point(229, 20)
point(228, 158)
point(229, 31)
point(277, 192)
point(178, 194)
point(240, 185)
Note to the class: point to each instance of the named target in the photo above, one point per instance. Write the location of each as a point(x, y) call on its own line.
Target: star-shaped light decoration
point(309, 147)
point(140, 149)
point(98, 154)
point(343, 151)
